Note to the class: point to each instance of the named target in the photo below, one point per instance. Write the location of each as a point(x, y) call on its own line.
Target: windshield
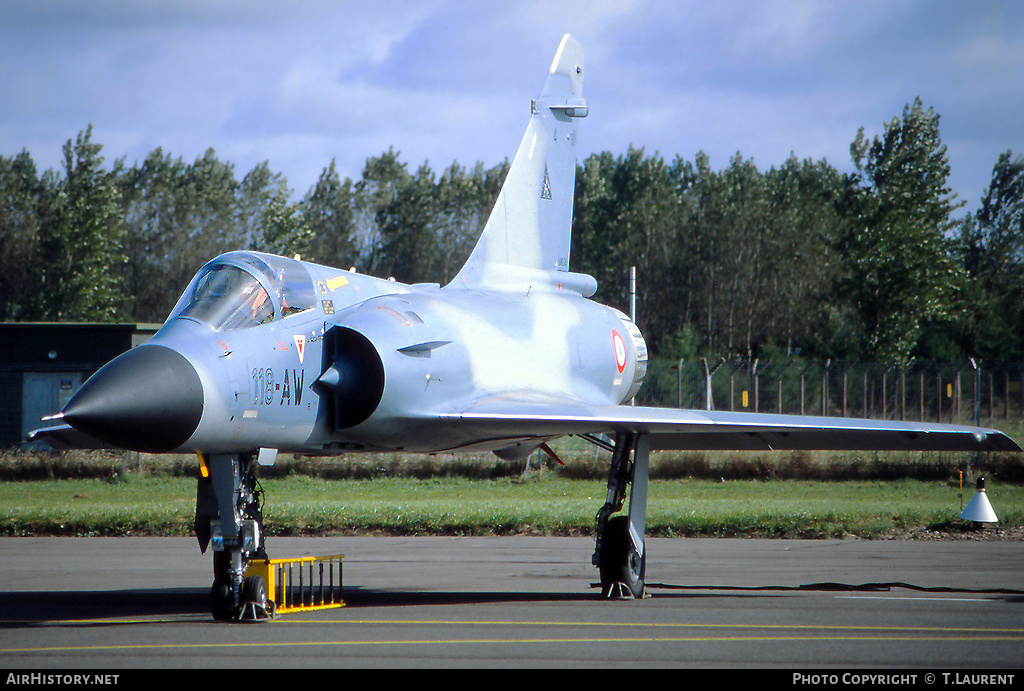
point(226, 296)
point(229, 298)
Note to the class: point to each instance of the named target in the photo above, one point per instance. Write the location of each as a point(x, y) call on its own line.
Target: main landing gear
point(229, 516)
point(619, 555)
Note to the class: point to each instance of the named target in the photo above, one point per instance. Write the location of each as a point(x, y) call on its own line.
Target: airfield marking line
point(505, 641)
point(621, 624)
point(509, 623)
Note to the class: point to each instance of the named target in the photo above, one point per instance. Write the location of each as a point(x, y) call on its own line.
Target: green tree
point(745, 241)
point(176, 216)
point(627, 214)
point(804, 223)
point(151, 206)
point(462, 204)
point(374, 193)
point(408, 248)
point(26, 203)
point(595, 248)
point(329, 212)
point(704, 192)
point(285, 230)
point(899, 270)
point(992, 251)
point(267, 219)
point(81, 248)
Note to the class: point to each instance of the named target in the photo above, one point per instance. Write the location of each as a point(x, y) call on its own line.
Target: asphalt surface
point(526, 602)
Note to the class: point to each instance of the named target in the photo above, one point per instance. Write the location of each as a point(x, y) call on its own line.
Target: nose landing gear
point(229, 516)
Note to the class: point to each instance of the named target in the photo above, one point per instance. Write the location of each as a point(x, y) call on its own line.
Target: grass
point(551, 505)
point(778, 494)
point(581, 462)
point(89, 507)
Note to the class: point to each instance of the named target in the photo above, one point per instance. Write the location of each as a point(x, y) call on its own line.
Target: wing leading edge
point(66, 438)
point(717, 430)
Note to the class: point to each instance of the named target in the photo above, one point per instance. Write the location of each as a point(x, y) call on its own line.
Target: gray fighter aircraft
point(266, 354)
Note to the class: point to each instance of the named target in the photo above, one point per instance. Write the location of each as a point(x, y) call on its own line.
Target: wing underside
point(668, 428)
point(718, 430)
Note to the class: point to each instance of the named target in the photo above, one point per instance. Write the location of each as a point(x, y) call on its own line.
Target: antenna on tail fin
point(525, 243)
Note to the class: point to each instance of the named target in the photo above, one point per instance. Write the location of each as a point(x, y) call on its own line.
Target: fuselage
point(310, 359)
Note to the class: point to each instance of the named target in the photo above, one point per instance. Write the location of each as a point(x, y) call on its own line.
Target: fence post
point(902, 376)
point(709, 394)
point(846, 371)
point(781, 372)
point(957, 412)
point(679, 403)
point(824, 388)
point(991, 394)
point(753, 384)
point(863, 392)
point(1006, 395)
point(977, 392)
point(920, 390)
point(883, 394)
point(802, 373)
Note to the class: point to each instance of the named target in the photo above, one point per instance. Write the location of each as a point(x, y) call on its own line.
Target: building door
point(45, 393)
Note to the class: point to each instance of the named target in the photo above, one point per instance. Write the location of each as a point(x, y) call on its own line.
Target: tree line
point(800, 259)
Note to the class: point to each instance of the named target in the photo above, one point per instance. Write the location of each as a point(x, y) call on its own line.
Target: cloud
point(301, 83)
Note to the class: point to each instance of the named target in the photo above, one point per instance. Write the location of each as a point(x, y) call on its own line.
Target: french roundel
point(620, 351)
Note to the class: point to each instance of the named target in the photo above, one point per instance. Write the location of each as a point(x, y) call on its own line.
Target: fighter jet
point(266, 354)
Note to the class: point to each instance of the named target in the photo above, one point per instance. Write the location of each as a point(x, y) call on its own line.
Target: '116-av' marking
point(266, 389)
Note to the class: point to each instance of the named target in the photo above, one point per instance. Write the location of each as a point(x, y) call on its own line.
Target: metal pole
point(632, 307)
point(977, 408)
point(680, 372)
point(977, 394)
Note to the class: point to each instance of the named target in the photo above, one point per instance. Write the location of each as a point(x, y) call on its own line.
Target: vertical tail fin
point(525, 243)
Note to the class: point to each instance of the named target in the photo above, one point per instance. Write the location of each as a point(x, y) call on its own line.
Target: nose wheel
point(222, 597)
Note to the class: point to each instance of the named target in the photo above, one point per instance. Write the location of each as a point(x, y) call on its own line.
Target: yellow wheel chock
point(302, 584)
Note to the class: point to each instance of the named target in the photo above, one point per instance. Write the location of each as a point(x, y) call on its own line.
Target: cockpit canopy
point(244, 289)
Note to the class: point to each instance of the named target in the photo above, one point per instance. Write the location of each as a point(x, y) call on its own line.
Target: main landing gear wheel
point(620, 555)
point(622, 568)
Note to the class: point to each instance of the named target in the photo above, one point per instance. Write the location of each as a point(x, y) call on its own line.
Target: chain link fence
point(927, 391)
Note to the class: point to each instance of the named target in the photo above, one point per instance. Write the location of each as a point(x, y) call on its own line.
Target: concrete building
point(42, 365)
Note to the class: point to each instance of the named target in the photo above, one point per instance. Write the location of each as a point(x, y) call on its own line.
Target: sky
point(299, 83)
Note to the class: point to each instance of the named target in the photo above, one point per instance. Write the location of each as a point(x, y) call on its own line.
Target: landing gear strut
point(619, 554)
point(229, 515)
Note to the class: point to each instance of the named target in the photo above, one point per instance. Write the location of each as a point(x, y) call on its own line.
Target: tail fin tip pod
point(525, 242)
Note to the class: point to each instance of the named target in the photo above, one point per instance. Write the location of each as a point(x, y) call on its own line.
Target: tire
point(620, 562)
point(221, 562)
point(222, 601)
point(254, 589)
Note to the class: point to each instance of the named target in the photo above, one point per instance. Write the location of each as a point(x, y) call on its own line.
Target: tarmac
point(526, 602)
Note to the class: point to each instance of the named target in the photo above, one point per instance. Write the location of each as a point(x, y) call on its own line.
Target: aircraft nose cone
point(149, 399)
